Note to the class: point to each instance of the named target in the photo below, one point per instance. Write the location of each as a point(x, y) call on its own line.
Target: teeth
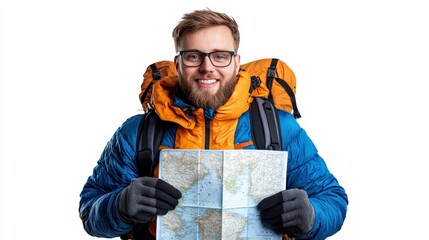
point(208, 81)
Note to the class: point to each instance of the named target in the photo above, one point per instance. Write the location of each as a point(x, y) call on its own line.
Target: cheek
point(186, 72)
point(228, 74)
point(185, 77)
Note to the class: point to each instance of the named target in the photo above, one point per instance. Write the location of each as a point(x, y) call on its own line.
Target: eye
point(193, 56)
point(220, 56)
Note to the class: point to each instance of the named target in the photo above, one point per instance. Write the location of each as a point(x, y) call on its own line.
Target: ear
point(237, 60)
point(176, 62)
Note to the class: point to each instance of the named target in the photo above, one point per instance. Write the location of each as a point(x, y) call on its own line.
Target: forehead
point(209, 39)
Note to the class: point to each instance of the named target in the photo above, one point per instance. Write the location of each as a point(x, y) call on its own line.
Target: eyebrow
point(214, 50)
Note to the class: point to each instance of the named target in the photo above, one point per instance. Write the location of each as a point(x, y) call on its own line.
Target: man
point(210, 106)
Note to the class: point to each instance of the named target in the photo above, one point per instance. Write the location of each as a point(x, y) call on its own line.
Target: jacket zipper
point(207, 133)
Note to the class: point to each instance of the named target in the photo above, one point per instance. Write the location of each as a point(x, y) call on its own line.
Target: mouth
point(206, 81)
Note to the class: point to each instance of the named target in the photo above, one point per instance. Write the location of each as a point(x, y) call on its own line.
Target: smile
point(207, 81)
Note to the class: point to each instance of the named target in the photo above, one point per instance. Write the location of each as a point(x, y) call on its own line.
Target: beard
point(204, 98)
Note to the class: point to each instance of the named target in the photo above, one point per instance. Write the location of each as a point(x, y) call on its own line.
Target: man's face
point(208, 86)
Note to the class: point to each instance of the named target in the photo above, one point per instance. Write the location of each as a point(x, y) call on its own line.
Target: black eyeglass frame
point(204, 54)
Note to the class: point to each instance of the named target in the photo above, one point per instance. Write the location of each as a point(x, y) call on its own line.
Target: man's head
point(207, 62)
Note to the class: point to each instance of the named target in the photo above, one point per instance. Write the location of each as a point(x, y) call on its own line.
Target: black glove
point(288, 212)
point(147, 197)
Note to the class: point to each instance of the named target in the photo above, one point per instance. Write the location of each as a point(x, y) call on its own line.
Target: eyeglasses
point(194, 58)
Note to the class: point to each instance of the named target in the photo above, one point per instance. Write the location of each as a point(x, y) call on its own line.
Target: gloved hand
point(288, 212)
point(147, 197)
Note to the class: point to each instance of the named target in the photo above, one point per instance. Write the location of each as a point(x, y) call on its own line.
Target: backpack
point(273, 86)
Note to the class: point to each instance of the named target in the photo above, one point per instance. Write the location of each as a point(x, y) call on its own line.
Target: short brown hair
point(200, 19)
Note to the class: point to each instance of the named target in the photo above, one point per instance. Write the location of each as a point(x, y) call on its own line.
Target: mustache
point(205, 76)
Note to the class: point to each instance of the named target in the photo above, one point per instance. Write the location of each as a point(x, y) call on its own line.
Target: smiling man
point(207, 103)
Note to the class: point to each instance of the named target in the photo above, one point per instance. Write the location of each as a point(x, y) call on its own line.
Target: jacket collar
point(170, 106)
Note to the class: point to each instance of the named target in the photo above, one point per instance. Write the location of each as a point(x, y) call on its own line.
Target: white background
point(72, 72)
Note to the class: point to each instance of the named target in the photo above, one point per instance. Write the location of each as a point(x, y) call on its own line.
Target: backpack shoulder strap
point(149, 138)
point(265, 126)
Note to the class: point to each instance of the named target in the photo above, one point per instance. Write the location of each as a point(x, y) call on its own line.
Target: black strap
point(156, 74)
point(255, 82)
point(265, 126)
point(271, 73)
point(270, 79)
point(150, 134)
point(289, 91)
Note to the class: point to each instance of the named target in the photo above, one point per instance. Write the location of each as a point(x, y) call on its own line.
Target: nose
point(206, 65)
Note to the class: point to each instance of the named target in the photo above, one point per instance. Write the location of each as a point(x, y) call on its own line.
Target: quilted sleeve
point(113, 172)
point(308, 171)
